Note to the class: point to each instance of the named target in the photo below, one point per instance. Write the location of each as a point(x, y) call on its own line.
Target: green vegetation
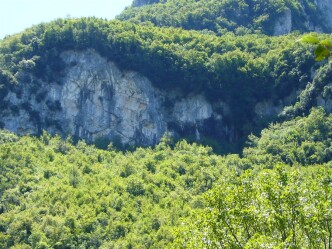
point(281, 200)
point(280, 208)
point(241, 17)
point(300, 142)
point(240, 71)
point(276, 193)
point(54, 194)
point(323, 48)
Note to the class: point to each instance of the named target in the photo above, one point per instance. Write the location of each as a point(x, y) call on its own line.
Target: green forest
point(56, 194)
point(270, 188)
point(239, 70)
point(240, 16)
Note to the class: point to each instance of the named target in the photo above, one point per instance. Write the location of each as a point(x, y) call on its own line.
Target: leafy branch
point(323, 47)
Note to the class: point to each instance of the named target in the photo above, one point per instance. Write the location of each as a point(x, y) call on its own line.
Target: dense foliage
point(275, 202)
point(54, 194)
point(237, 70)
point(280, 208)
point(241, 17)
point(323, 48)
point(302, 141)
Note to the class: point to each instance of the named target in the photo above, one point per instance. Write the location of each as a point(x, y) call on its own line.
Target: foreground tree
point(323, 47)
point(274, 208)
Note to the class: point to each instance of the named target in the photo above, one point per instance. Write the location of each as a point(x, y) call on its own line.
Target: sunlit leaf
point(310, 39)
point(326, 43)
point(321, 53)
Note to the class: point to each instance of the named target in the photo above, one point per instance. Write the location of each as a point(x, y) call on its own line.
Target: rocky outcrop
point(192, 109)
point(95, 99)
point(101, 101)
point(322, 23)
point(267, 109)
point(283, 24)
point(139, 3)
point(325, 98)
point(325, 7)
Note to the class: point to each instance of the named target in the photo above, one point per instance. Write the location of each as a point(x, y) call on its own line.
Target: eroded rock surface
point(95, 99)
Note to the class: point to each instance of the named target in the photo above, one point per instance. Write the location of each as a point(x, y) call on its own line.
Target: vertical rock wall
point(95, 99)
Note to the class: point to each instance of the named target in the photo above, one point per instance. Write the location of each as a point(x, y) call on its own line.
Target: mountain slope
point(57, 195)
point(54, 194)
point(241, 81)
point(122, 84)
point(246, 16)
point(275, 202)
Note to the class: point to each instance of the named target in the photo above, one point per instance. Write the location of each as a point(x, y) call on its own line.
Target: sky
point(17, 15)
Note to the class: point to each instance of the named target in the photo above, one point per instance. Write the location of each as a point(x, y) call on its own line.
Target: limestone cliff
point(283, 25)
point(325, 7)
point(314, 15)
point(95, 99)
point(322, 23)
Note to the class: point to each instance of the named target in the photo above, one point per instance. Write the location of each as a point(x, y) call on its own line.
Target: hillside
point(54, 194)
point(71, 77)
point(182, 124)
point(270, 17)
point(57, 195)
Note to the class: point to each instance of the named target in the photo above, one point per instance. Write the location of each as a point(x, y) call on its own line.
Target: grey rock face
point(267, 109)
point(192, 110)
point(95, 99)
point(325, 98)
point(139, 3)
point(325, 7)
point(283, 24)
point(101, 101)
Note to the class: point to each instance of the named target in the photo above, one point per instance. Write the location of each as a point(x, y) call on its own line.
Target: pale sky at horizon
point(17, 15)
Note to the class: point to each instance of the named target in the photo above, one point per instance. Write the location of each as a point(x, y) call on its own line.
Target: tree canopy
point(276, 192)
point(241, 17)
point(240, 71)
point(56, 194)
